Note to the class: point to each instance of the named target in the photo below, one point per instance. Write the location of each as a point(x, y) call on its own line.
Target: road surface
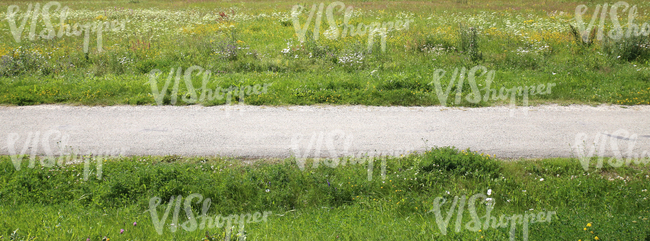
point(322, 131)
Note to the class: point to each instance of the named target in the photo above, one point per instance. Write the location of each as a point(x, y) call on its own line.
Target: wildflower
point(121, 231)
point(134, 223)
point(489, 192)
point(328, 182)
point(541, 179)
point(268, 190)
point(589, 225)
point(596, 238)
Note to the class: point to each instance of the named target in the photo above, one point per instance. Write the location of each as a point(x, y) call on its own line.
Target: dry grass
point(414, 6)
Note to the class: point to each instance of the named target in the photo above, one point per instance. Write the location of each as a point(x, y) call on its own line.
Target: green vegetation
point(244, 43)
point(324, 203)
point(254, 42)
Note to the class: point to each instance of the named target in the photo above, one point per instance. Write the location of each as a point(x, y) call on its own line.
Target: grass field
point(326, 203)
point(525, 43)
point(172, 52)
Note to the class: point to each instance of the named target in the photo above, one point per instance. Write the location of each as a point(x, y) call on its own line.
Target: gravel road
point(322, 131)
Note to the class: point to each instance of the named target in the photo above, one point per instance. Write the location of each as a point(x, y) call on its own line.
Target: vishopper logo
point(476, 224)
point(338, 145)
point(489, 94)
point(34, 140)
point(204, 93)
point(334, 139)
point(586, 151)
point(206, 222)
point(617, 32)
point(333, 33)
point(34, 11)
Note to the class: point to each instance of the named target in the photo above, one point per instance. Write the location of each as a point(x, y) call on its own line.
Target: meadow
point(325, 203)
point(526, 43)
point(522, 43)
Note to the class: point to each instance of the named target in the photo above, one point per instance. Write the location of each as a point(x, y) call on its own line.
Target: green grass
point(525, 42)
point(324, 203)
point(245, 43)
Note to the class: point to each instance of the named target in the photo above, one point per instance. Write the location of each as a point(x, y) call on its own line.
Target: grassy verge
point(325, 203)
point(527, 43)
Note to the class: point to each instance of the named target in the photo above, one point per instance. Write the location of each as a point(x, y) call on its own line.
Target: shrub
point(464, 163)
point(628, 49)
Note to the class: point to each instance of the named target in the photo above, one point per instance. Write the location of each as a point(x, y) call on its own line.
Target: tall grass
point(528, 46)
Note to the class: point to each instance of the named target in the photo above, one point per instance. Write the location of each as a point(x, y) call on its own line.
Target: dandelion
point(589, 225)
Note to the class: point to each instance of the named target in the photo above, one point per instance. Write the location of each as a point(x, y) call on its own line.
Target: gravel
point(322, 131)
